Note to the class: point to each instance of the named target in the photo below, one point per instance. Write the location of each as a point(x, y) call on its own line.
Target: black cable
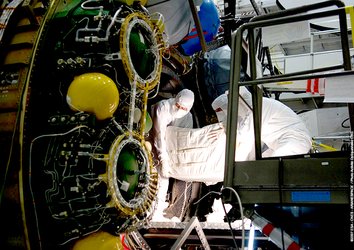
point(228, 222)
point(227, 218)
point(8, 162)
point(280, 183)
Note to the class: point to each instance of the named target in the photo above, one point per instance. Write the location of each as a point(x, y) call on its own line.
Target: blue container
point(210, 22)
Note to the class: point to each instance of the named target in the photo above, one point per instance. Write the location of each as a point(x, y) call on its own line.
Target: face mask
point(222, 116)
point(178, 113)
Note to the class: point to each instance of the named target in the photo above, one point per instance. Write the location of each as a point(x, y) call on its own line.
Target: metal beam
point(193, 224)
point(198, 25)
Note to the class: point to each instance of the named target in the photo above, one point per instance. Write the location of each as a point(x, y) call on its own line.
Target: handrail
point(297, 10)
point(282, 17)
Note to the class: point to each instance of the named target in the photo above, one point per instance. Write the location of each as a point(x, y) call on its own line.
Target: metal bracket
point(140, 240)
point(193, 224)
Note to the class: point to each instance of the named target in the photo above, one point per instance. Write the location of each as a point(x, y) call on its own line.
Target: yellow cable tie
point(350, 10)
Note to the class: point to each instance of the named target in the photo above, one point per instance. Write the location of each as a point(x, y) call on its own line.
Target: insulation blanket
point(197, 154)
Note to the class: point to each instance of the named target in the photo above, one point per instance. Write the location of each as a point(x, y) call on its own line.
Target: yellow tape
point(350, 10)
point(327, 147)
point(284, 83)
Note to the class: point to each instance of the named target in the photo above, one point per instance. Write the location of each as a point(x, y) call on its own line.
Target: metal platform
point(321, 178)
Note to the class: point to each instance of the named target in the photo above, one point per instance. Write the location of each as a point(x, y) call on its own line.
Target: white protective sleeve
point(197, 154)
point(161, 119)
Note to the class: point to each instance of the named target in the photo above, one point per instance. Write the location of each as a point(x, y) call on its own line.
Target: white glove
point(165, 167)
point(215, 134)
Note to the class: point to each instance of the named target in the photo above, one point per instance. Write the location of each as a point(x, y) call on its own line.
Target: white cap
point(220, 107)
point(185, 99)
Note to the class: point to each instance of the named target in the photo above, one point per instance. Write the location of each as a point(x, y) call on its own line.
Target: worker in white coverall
point(282, 130)
point(170, 112)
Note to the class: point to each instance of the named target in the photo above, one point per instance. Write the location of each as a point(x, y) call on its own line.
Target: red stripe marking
point(315, 88)
point(308, 87)
point(293, 246)
point(267, 229)
point(193, 36)
point(123, 243)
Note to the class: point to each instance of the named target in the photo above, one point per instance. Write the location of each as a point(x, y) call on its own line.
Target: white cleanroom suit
point(170, 112)
point(197, 154)
point(283, 131)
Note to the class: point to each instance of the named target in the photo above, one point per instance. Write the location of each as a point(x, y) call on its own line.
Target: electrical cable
point(228, 222)
point(30, 175)
point(4, 19)
point(280, 182)
point(241, 212)
point(211, 192)
point(2, 190)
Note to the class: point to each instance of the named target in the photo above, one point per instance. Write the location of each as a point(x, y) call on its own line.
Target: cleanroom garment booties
point(197, 154)
point(283, 131)
point(170, 112)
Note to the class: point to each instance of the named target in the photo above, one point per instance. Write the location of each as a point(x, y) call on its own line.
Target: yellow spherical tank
point(94, 93)
point(99, 241)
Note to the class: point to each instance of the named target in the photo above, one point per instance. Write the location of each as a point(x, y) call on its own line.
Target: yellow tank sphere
point(99, 241)
point(93, 93)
